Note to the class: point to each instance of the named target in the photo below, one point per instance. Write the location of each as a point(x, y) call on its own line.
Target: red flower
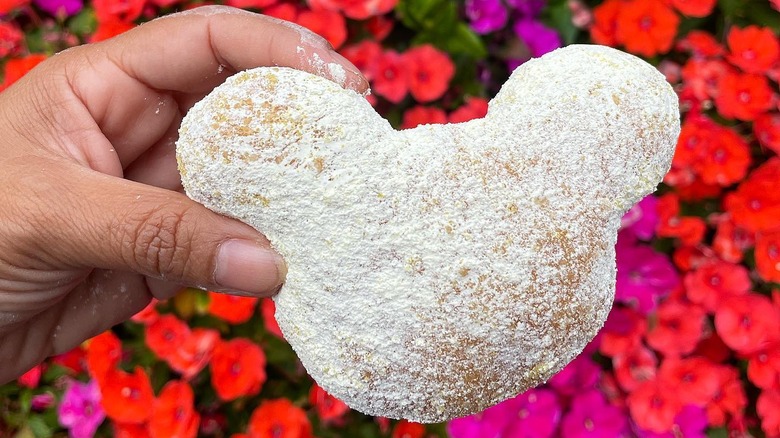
point(118, 10)
point(127, 398)
point(766, 127)
point(634, 368)
point(7, 6)
point(194, 353)
point(103, 354)
point(678, 328)
point(148, 314)
point(694, 379)
point(474, 108)
point(702, 77)
point(730, 242)
point(329, 24)
point(715, 153)
point(237, 369)
point(267, 310)
point(365, 56)
point(245, 4)
point(767, 256)
point(712, 284)
point(755, 205)
point(408, 429)
point(329, 408)
point(17, 67)
point(743, 96)
point(232, 308)
point(748, 324)
point(694, 8)
point(701, 44)
point(126, 430)
point(604, 28)
point(729, 399)
point(32, 377)
point(109, 29)
point(74, 360)
point(622, 332)
point(764, 367)
point(279, 418)
point(429, 72)
point(768, 409)
point(690, 230)
point(166, 335)
point(421, 115)
point(358, 10)
point(390, 76)
point(753, 49)
point(646, 27)
point(282, 11)
point(713, 349)
point(725, 160)
point(380, 26)
point(11, 39)
point(653, 406)
point(173, 414)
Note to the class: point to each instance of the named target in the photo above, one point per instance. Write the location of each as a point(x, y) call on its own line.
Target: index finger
point(212, 39)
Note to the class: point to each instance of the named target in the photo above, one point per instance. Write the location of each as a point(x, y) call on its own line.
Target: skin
point(93, 223)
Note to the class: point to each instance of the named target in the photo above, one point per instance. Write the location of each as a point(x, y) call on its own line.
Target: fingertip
point(353, 77)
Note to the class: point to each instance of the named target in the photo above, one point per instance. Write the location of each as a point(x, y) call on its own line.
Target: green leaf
point(39, 427)
point(417, 14)
point(25, 400)
point(84, 23)
point(464, 41)
point(718, 433)
point(731, 8)
point(25, 432)
point(561, 20)
point(763, 15)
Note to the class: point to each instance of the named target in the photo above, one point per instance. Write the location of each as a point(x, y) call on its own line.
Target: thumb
point(100, 221)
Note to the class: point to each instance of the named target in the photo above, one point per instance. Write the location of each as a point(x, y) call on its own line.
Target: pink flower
point(80, 410)
point(580, 375)
point(642, 219)
point(533, 414)
point(591, 416)
point(643, 275)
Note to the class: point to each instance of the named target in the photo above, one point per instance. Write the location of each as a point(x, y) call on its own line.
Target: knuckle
point(161, 242)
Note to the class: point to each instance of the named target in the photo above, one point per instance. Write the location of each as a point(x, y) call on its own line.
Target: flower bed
point(692, 346)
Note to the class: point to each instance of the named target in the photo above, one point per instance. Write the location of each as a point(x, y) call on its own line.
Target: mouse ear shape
point(611, 118)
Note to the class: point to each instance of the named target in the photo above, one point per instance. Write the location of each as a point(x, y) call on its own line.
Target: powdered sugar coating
point(436, 271)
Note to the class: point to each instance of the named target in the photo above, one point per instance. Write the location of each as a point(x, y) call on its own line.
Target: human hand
point(93, 224)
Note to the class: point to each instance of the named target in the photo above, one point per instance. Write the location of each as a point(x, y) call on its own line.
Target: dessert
point(436, 271)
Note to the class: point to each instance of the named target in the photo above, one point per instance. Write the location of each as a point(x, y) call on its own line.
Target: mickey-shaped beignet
point(436, 271)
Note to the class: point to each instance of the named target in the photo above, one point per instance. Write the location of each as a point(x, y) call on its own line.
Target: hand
point(92, 221)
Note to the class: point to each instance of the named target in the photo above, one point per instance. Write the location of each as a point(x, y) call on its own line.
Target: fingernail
point(245, 267)
point(359, 82)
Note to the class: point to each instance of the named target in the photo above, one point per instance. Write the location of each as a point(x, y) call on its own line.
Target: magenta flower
point(533, 414)
point(691, 422)
point(591, 416)
point(528, 8)
point(536, 414)
point(643, 275)
point(581, 375)
point(642, 219)
point(486, 15)
point(57, 8)
point(80, 410)
point(41, 402)
point(539, 38)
